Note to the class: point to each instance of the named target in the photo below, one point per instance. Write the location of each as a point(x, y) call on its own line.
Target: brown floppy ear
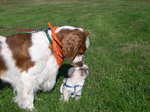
point(86, 33)
point(73, 42)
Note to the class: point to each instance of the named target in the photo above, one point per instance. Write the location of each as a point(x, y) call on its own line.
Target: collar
point(56, 45)
point(48, 37)
point(69, 86)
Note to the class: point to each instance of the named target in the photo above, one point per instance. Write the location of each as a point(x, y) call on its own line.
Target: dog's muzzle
point(78, 60)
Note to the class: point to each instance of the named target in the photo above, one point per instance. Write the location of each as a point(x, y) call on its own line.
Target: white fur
point(41, 76)
point(78, 59)
point(87, 42)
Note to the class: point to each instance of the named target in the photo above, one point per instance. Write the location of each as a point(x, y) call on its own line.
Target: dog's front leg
point(25, 92)
point(66, 95)
point(78, 95)
point(25, 98)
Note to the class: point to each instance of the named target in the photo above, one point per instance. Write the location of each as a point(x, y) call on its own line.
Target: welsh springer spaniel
point(28, 62)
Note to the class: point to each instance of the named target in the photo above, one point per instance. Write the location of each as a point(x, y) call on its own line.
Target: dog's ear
point(86, 33)
point(71, 71)
point(73, 42)
point(84, 70)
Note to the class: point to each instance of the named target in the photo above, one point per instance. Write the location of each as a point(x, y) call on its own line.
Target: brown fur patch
point(78, 64)
point(3, 67)
point(73, 42)
point(19, 45)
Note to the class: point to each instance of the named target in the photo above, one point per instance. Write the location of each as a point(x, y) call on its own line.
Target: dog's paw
point(26, 106)
point(22, 103)
point(77, 97)
point(66, 100)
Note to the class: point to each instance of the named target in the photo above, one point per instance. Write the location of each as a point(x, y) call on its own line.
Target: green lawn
point(119, 56)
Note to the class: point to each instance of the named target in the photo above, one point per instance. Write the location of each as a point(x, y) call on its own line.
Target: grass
point(119, 56)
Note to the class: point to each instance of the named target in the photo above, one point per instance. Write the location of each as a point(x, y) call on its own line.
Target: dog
point(72, 86)
point(30, 61)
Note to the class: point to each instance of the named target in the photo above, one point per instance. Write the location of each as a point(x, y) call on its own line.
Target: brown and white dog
point(27, 61)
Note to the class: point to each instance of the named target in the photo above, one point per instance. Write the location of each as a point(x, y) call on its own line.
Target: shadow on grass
point(4, 85)
point(63, 71)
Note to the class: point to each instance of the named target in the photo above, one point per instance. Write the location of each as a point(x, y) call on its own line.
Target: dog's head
point(74, 41)
point(82, 71)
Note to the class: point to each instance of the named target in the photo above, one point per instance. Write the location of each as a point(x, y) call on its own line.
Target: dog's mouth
point(79, 64)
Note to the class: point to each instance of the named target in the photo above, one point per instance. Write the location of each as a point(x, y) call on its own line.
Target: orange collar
point(56, 45)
